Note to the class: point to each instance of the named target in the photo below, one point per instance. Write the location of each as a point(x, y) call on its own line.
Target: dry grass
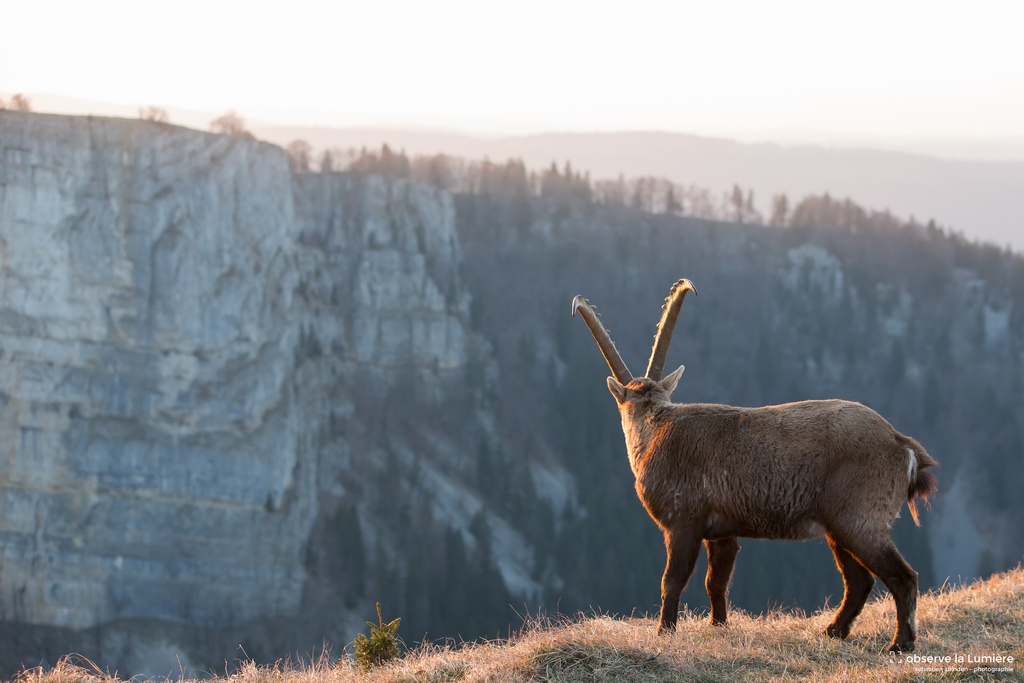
point(984, 619)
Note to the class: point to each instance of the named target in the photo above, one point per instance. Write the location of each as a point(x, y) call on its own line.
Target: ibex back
point(711, 473)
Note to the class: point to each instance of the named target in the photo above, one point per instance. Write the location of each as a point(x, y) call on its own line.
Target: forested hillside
point(912, 321)
point(832, 300)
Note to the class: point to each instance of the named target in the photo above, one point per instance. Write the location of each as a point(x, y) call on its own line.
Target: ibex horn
point(662, 338)
point(603, 339)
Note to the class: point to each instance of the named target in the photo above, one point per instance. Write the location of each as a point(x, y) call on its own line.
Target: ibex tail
point(920, 483)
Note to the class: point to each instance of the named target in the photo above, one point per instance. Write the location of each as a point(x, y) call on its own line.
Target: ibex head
point(622, 384)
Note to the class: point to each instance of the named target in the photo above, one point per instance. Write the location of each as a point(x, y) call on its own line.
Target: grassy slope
point(986, 618)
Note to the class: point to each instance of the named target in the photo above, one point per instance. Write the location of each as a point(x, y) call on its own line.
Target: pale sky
point(867, 69)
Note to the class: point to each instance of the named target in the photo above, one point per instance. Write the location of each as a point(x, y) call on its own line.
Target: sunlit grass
point(986, 618)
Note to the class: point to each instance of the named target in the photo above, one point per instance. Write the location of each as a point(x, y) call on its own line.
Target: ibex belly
point(725, 514)
point(718, 526)
point(738, 497)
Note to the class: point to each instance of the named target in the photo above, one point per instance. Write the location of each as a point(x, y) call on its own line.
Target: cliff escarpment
point(203, 359)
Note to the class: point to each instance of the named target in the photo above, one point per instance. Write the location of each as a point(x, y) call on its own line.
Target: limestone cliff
point(197, 351)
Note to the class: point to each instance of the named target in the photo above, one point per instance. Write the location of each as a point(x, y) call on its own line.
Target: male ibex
point(793, 471)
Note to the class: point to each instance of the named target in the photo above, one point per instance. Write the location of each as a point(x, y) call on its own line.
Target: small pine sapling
point(381, 646)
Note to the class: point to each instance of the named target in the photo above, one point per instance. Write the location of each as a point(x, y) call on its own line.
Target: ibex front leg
point(721, 559)
point(682, 548)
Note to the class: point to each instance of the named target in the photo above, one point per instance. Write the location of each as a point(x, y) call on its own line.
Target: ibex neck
point(644, 429)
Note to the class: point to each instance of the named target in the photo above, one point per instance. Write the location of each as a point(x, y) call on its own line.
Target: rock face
point(191, 342)
point(145, 304)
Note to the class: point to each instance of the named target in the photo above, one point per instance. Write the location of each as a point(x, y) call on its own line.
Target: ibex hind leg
point(885, 562)
point(857, 584)
point(721, 560)
point(682, 551)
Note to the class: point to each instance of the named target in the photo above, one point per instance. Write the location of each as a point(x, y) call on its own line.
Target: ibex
point(794, 471)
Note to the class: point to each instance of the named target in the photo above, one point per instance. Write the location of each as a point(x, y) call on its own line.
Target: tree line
point(18, 102)
point(564, 184)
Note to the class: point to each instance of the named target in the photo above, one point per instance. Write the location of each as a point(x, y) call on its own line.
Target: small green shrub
point(381, 646)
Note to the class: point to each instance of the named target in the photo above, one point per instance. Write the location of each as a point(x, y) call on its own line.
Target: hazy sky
point(872, 69)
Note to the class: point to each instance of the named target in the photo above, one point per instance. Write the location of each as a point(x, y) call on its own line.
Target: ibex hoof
point(897, 648)
point(834, 631)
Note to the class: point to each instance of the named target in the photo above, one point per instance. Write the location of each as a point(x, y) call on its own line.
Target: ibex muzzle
point(712, 473)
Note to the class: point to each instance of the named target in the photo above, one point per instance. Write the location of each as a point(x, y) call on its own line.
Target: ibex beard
point(712, 473)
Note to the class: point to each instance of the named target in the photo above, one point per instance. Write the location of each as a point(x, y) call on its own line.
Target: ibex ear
point(618, 391)
point(670, 382)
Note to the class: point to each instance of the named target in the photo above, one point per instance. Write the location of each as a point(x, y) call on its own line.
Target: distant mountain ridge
point(982, 199)
point(928, 180)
